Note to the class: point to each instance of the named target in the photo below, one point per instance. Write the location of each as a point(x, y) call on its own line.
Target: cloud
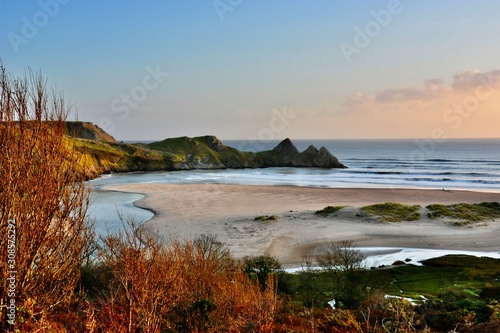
point(433, 83)
point(471, 79)
point(358, 98)
point(467, 106)
point(431, 91)
point(405, 94)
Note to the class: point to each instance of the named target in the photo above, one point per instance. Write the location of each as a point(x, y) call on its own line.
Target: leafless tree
point(346, 277)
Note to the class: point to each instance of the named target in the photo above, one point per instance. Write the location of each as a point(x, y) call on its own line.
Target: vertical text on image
point(11, 271)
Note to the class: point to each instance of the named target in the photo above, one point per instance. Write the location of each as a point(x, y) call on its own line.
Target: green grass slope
point(203, 152)
point(101, 153)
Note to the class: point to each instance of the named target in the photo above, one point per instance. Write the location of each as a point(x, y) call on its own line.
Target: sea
point(468, 164)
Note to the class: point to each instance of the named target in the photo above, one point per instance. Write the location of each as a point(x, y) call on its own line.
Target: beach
point(185, 211)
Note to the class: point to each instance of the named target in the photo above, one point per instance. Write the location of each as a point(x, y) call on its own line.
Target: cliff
point(87, 130)
point(101, 153)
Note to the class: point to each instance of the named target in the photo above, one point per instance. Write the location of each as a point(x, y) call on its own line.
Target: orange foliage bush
point(43, 202)
point(183, 287)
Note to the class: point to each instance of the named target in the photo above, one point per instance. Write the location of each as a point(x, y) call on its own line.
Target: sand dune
point(228, 211)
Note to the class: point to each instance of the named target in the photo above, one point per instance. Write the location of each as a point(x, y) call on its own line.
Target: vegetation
point(266, 218)
point(344, 276)
point(175, 287)
point(328, 210)
point(465, 212)
point(43, 204)
point(97, 157)
point(104, 154)
point(393, 212)
point(457, 292)
point(264, 267)
point(58, 278)
point(203, 150)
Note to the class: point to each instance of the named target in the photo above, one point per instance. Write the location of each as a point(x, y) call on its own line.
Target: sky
point(265, 69)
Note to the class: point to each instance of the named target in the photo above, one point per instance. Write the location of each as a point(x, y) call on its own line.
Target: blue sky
point(264, 69)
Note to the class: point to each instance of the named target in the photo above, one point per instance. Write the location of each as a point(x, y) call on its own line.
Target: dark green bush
point(328, 210)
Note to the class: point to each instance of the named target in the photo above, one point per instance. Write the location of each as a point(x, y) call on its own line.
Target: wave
point(427, 173)
point(438, 180)
point(376, 172)
point(456, 163)
point(412, 161)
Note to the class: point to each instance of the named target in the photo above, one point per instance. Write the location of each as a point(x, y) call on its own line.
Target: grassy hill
point(203, 152)
point(101, 153)
point(87, 130)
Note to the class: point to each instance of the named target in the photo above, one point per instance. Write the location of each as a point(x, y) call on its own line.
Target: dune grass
point(393, 212)
point(265, 218)
point(466, 212)
point(328, 210)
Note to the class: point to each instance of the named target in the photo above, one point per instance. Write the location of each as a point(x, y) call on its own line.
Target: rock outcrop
point(280, 156)
point(87, 130)
point(104, 154)
point(287, 155)
point(321, 158)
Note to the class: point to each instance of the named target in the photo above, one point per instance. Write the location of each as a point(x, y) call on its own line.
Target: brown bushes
point(184, 287)
point(43, 202)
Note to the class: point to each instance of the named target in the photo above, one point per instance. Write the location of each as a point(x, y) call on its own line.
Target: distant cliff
point(101, 153)
point(87, 130)
point(287, 155)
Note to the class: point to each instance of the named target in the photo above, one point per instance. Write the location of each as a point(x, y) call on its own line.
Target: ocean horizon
point(469, 164)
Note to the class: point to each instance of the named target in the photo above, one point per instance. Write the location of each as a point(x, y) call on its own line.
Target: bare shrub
point(146, 280)
point(42, 194)
point(193, 286)
point(345, 277)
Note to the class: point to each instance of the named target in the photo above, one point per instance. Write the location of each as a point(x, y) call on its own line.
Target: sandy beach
point(228, 211)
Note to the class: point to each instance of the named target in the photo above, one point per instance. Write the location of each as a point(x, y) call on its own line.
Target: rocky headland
point(101, 153)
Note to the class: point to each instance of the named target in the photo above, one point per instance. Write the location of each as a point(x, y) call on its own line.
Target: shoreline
point(361, 186)
point(188, 210)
